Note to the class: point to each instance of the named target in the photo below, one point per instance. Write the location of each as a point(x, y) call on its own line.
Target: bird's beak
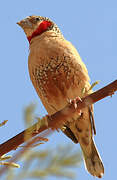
point(18, 23)
point(25, 23)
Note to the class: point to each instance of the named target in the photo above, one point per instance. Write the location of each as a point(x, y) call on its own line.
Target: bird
point(59, 75)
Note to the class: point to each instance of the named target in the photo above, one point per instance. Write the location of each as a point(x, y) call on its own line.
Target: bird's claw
point(74, 102)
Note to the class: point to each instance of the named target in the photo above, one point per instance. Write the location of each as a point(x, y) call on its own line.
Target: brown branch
point(56, 120)
point(20, 153)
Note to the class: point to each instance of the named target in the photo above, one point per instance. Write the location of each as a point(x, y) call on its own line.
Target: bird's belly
point(57, 89)
point(56, 82)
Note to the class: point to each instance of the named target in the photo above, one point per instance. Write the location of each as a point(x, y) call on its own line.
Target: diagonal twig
point(56, 120)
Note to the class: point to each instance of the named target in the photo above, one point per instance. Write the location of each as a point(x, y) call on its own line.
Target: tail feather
point(93, 162)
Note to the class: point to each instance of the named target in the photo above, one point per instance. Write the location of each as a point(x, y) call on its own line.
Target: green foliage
point(94, 84)
point(3, 123)
point(5, 163)
point(59, 162)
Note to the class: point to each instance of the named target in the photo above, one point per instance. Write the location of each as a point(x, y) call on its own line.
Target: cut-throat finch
point(58, 74)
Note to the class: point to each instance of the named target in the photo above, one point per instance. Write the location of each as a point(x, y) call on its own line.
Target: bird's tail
point(93, 162)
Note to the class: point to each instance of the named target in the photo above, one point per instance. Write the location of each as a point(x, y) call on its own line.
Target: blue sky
point(92, 27)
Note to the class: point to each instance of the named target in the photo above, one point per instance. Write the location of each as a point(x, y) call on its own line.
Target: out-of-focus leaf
point(3, 123)
point(4, 157)
point(11, 164)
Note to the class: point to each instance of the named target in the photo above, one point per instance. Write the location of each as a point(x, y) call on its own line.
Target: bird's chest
point(55, 72)
point(53, 77)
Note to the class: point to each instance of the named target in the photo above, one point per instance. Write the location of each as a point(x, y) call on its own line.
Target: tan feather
point(58, 74)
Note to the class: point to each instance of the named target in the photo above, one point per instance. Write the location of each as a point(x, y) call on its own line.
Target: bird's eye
point(37, 19)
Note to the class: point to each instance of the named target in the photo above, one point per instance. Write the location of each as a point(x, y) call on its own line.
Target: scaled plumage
point(58, 74)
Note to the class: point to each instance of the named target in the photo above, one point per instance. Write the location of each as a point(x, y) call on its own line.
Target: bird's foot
point(74, 102)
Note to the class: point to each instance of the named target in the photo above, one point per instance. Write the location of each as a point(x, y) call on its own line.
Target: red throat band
point(40, 29)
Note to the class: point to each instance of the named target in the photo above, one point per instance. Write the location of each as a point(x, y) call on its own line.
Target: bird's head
point(36, 25)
